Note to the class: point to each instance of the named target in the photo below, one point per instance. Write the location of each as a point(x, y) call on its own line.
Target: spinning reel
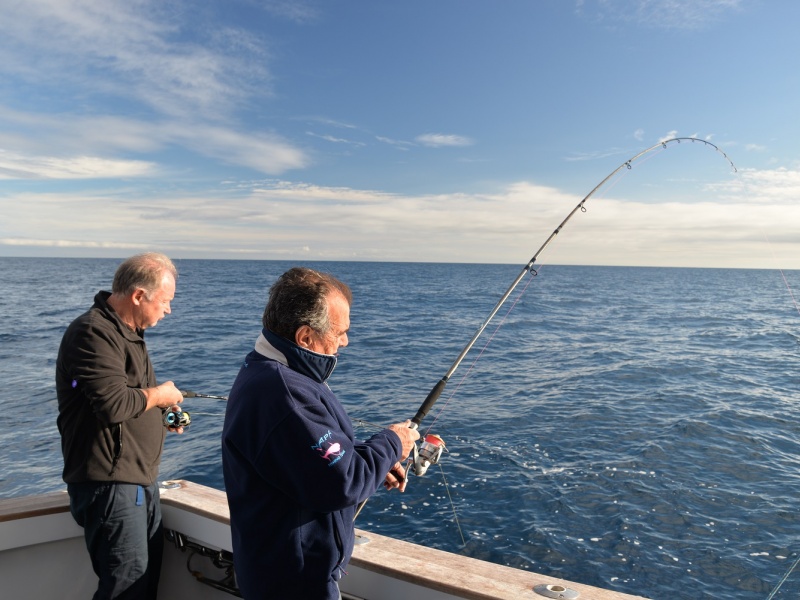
point(176, 418)
point(428, 453)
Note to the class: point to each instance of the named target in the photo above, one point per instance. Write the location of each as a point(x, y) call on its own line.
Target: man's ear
point(303, 337)
point(138, 296)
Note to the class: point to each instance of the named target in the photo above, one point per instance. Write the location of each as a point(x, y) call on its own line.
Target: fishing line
point(195, 413)
point(794, 301)
point(791, 293)
point(533, 273)
point(188, 415)
point(785, 281)
point(452, 504)
point(363, 423)
point(783, 579)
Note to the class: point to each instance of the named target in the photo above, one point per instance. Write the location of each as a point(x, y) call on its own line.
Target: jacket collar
point(311, 364)
point(101, 302)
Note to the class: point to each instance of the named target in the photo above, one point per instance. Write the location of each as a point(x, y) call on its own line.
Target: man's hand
point(396, 478)
point(163, 396)
point(407, 437)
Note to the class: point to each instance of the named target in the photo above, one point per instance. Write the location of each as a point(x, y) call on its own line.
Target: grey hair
point(145, 271)
point(300, 297)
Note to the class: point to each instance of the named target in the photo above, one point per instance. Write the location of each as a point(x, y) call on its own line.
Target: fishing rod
point(432, 446)
point(189, 394)
point(177, 417)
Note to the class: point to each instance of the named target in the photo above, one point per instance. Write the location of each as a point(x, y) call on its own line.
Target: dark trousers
point(122, 528)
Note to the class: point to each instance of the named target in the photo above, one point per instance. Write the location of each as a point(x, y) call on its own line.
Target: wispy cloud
point(334, 139)
point(14, 166)
point(137, 47)
point(156, 89)
point(82, 245)
point(330, 122)
point(399, 144)
point(106, 136)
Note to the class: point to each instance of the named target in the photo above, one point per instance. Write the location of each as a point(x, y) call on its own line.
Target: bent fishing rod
point(432, 446)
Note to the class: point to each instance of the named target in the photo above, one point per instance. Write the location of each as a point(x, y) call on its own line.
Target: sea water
point(630, 428)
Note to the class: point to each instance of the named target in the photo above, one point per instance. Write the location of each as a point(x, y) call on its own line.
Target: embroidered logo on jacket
point(328, 449)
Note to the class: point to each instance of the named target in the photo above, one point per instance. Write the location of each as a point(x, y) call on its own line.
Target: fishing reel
point(176, 418)
point(428, 453)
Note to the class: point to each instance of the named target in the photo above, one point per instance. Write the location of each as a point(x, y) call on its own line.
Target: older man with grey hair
point(110, 417)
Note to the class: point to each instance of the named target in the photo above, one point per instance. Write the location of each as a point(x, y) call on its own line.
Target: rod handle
point(433, 396)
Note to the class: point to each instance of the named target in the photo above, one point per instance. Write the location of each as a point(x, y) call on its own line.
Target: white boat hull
point(42, 556)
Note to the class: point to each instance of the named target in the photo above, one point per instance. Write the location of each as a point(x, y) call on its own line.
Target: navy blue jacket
point(294, 473)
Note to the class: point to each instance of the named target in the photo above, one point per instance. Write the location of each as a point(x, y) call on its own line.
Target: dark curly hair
point(299, 297)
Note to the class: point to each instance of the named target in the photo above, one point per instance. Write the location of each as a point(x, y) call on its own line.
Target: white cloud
point(721, 226)
point(670, 135)
point(778, 187)
point(437, 140)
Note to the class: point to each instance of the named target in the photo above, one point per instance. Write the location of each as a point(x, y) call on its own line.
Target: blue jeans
point(122, 528)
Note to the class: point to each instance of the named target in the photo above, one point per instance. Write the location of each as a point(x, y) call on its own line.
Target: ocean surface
point(630, 428)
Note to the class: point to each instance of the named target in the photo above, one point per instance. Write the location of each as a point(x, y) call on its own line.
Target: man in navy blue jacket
point(294, 473)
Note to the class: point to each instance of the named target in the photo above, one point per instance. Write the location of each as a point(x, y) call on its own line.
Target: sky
point(414, 131)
